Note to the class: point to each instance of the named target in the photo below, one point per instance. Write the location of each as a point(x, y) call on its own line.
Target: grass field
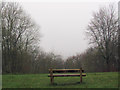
point(92, 80)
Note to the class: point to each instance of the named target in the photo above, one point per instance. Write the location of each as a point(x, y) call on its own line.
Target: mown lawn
point(92, 80)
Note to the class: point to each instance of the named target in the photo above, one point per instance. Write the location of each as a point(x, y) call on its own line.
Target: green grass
point(92, 80)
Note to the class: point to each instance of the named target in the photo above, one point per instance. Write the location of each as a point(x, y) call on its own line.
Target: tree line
point(21, 52)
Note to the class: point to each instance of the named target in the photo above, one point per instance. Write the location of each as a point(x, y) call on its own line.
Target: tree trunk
point(108, 64)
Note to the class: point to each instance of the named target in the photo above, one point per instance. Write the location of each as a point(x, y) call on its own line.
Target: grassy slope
point(92, 80)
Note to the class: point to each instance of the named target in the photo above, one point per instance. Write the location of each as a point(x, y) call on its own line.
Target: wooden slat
point(66, 75)
point(65, 70)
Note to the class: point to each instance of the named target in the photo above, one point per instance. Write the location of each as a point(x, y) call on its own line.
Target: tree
point(73, 62)
point(19, 37)
point(46, 61)
point(103, 31)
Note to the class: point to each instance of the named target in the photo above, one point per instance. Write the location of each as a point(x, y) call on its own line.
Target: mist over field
point(41, 38)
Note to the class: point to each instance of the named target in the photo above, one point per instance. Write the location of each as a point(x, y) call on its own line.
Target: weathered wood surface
point(51, 71)
point(80, 75)
point(65, 70)
point(51, 76)
point(66, 75)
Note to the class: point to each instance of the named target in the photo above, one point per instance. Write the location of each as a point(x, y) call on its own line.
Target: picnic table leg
point(80, 75)
point(51, 76)
point(52, 80)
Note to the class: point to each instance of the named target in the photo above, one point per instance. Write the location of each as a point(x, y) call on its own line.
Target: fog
point(63, 25)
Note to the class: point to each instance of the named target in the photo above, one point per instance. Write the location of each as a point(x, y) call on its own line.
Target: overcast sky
point(63, 24)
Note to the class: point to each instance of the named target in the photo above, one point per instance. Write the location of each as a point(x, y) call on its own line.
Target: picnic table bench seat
point(64, 71)
point(66, 75)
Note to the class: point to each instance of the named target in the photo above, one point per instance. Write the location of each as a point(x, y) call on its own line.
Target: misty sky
point(63, 25)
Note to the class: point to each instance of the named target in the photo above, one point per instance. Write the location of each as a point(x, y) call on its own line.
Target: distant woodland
point(21, 37)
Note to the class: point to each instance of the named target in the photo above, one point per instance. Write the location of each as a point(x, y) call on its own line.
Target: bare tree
point(19, 34)
point(103, 31)
point(119, 33)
